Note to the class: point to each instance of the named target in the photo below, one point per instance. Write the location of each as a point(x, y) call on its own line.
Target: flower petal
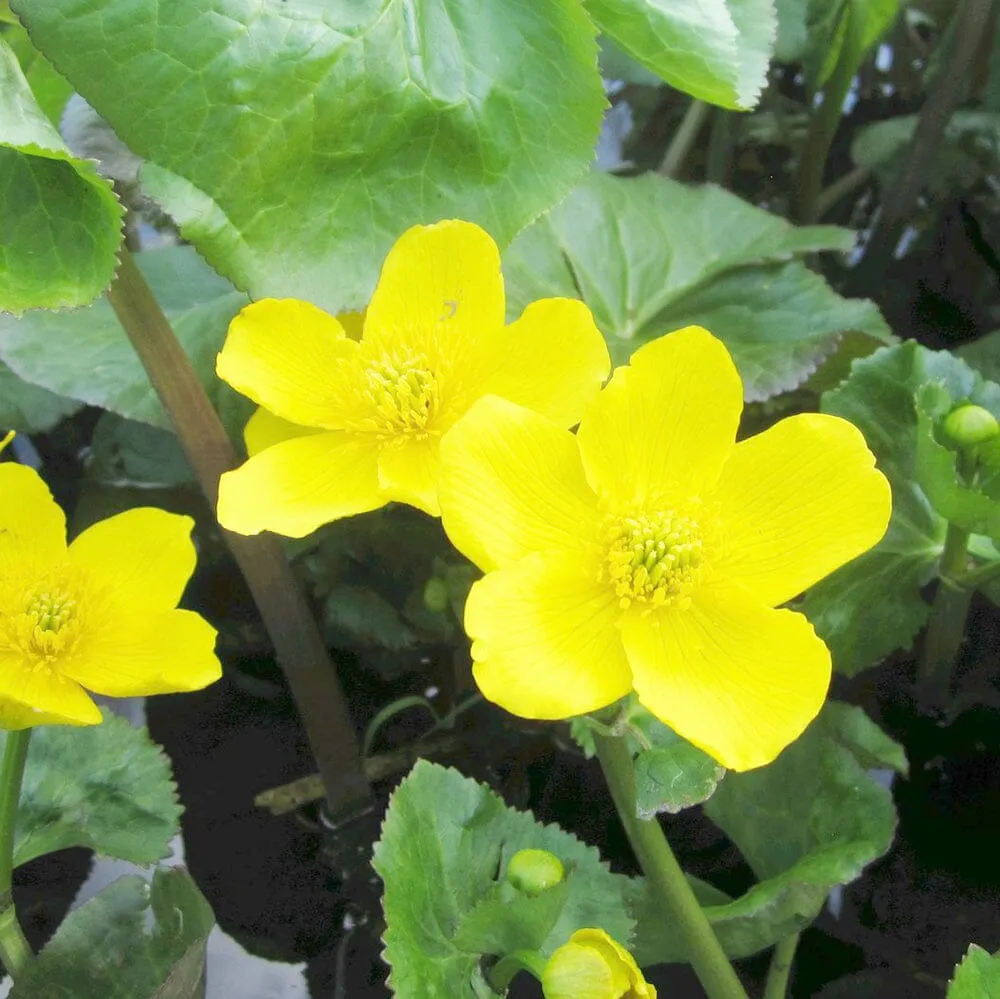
point(143, 556)
point(264, 429)
point(439, 292)
point(581, 971)
point(151, 653)
point(40, 697)
point(408, 472)
point(664, 424)
point(511, 482)
point(552, 360)
point(737, 679)
point(544, 641)
point(32, 525)
point(297, 486)
point(281, 353)
point(798, 501)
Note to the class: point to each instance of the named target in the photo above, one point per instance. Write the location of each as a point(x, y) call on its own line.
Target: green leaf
point(293, 143)
point(872, 605)
point(86, 355)
point(670, 773)
point(62, 222)
point(28, 408)
point(51, 89)
point(445, 845)
point(358, 616)
point(106, 787)
point(106, 950)
point(649, 255)
point(717, 51)
point(977, 977)
point(809, 821)
point(843, 32)
point(793, 33)
point(983, 355)
point(128, 453)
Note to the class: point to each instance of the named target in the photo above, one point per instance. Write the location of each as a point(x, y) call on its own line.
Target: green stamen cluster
point(404, 394)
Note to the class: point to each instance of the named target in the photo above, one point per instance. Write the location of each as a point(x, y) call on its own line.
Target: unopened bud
point(436, 595)
point(593, 966)
point(968, 425)
point(534, 871)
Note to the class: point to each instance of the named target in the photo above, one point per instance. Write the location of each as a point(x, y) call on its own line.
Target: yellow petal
point(552, 360)
point(282, 353)
point(663, 426)
point(264, 429)
point(798, 501)
point(511, 483)
point(299, 485)
point(408, 472)
point(144, 557)
point(149, 653)
point(544, 641)
point(734, 677)
point(579, 971)
point(32, 525)
point(439, 293)
point(41, 697)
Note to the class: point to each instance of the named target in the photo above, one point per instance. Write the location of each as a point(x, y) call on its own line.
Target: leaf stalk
point(15, 952)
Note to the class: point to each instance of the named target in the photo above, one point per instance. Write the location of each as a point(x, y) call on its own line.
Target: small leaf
point(649, 255)
point(128, 453)
point(62, 222)
point(106, 787)
point(86, 355)
point(30, 409)
point(977, 977)
point(445, 844)
point(104, 950)
point(715, 50)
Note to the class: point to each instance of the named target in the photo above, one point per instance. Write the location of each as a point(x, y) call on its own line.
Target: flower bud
point(436, 595)
point(593, 966)
point(533, 871)
point(968, 425)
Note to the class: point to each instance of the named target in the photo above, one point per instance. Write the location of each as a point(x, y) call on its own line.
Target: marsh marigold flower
point(593, 966)
point(98, 614)
point(649, 551)
point(347, 425)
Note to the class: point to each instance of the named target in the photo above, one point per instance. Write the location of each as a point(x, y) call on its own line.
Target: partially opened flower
point(649, 550)
point(347, 426)
point(98, 615)
point(591, 965)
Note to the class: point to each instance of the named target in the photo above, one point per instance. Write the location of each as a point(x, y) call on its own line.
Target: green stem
point(502, 973)
point(840, 188)
point(781, 967)
point(946, 626)
point(719, 159)
point(822, 128)
point(684, 137)
point(665, 876)
point(14, 949)
point(297, 642)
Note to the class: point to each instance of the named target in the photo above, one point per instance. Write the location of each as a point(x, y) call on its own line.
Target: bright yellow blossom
point(593, 966)
point(347, 425)
point(649, 551)
point(99, 614)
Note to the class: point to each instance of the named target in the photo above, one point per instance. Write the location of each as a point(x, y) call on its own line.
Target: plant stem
point(971, 23)
point(684, 137)
point(781, 967)
point(719, 159)
point(14, 949)
point(297, 642)
point(840, 188)
point(665, 876)
point(946, 626)
point(502, 973)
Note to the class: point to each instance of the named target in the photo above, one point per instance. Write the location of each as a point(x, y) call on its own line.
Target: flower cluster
point(648, 551)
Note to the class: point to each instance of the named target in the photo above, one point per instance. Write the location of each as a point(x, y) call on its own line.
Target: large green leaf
point(107, 787)
point(28, 408)
point(650, 255)
point(446, 842)
point(61, 221)
point(716, 50)
point(294, 142)
point(809, 821)
point(106, 949)
point(86, 355)
point(977, 977)
point(51, 89)
point(872, 606)
point(843, 31)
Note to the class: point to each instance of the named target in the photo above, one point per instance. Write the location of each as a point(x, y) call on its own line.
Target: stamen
point(403, 393)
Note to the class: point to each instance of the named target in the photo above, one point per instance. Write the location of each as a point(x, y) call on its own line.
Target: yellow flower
point(348, 425)
point(98, 614)
point(593, 966)
point(648, 551)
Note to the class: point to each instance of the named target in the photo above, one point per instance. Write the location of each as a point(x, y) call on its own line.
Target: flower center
point(404, 394)
point(655, 558)
point(48, 625)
